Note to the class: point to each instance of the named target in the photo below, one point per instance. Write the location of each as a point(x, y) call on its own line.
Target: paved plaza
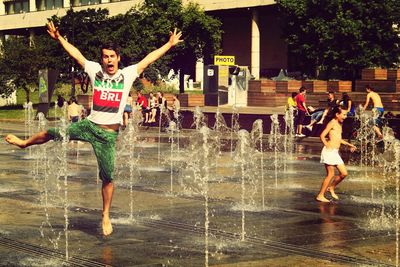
point(176, 204)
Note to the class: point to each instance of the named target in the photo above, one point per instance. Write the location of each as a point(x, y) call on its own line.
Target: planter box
point(386, 86)
point(191, 100)
point(288, 86)
point(268, 86)
point(374, 74)
point(85, 101)
point(316, 86)
point(255, 86)
point(262, 86)
point(339, 86)
point(393, 74)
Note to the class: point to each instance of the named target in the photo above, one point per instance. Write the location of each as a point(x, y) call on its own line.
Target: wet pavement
point(258, 208)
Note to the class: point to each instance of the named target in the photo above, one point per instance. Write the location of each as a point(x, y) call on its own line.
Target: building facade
point(251, 28)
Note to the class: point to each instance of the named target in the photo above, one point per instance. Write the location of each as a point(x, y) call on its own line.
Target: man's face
point(110, 61)
point(331, 97)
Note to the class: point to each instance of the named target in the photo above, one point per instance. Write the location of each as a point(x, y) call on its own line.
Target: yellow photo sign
point(224, 60)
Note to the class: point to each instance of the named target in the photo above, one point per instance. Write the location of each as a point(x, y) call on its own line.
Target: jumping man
point(111, 87)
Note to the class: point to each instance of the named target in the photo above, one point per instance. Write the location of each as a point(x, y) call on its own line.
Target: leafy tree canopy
point(337, 38)
point(20, 61)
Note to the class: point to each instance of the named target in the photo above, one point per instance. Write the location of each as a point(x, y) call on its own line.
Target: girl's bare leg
point(37, 139)
point(342, 174)
point(330, 172)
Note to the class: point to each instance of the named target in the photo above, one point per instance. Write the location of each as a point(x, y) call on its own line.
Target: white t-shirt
point(110, 93)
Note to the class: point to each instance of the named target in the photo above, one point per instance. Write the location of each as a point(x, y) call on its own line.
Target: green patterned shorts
point(102, 141)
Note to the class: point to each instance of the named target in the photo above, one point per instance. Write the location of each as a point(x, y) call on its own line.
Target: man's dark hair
point(331, 92)
point(294, 94)
point(369, 87)
point(302, 89)
point(110, 46)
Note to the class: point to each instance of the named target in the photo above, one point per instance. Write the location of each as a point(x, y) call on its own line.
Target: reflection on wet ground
point(162, 207)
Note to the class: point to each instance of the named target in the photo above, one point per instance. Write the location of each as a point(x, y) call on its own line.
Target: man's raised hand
point(52, 30)
point(174, 38)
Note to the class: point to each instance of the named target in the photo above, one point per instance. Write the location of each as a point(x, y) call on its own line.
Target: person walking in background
point(176, 104)
point(141, 103)
point(74, 110)
point(330, 154)
point(301, 111)
point(128, 109)
point(175, 108)
point(377, 109)
point(152, 109)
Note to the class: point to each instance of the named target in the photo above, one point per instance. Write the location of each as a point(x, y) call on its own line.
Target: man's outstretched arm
point(367, 101)
point(174, 39)
point(71, 50)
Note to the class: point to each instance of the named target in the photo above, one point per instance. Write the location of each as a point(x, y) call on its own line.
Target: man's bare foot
point(106, 226)
point(322, 199)
point(333, 194)
point(13, 140)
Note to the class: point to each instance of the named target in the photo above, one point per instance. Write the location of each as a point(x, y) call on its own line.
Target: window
point(15, 7)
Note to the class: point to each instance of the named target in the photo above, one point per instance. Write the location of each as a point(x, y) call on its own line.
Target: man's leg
point(107, 194)
point(104, 149)
point(378, 132)
point(37, 139)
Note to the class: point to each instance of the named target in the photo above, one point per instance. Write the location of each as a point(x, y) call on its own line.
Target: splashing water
point(273, 141)
point(198, 118)
point(161, 125)
point(235, 126)
point(257, 137)
point(171, 129)
point(288, 143)
point(244, 159)
point(28, 123)
point(55, 169)
point(126, 145)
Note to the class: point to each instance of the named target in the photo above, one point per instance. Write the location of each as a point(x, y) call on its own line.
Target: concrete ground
point(258, 208)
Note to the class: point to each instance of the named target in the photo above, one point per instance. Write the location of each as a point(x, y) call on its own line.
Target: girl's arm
point(352, 147)
point(325, 132)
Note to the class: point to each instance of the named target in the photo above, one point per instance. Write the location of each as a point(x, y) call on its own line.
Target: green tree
point(337, 38)
point(86, 29)
point(20, 62)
